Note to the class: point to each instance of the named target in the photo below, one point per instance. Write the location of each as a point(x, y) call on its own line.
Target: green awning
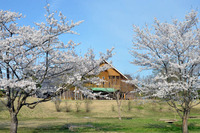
point(104, 89)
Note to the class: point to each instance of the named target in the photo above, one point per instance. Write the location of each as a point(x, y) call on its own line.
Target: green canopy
point(104, 89)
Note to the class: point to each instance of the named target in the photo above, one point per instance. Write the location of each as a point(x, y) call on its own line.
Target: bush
point(2, 93)
point(154, 105)
point(129, 105)
point(57, 102)
point(139, 106)
point(67, 107)
point(77, 106)
point(113, 108)
point(160, 106)
point(2, 107)
point(87, 105)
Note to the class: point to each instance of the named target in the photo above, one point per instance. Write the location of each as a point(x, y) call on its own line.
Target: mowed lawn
point(144, 116)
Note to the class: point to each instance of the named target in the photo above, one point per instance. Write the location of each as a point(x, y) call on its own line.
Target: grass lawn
point(143, 117)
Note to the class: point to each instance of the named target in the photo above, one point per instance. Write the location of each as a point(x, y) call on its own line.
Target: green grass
point(143, 117)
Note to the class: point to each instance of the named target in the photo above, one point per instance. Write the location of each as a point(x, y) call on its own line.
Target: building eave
point(116, 69)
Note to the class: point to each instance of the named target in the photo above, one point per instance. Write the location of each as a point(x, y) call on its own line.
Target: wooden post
point(70, 95)
point(115, 80)
point(120, 81)
point(64, 95)
point(75, 93)
point(81, 96)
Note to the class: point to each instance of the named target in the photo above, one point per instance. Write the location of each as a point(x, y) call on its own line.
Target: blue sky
point(107, 23)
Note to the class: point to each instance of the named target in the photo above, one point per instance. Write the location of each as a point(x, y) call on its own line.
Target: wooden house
point(113, 81)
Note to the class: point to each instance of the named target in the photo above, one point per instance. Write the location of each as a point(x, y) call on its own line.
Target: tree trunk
point(14, 122)
point(118, 105)
point(185, 122)
point(75, 93)
point(119, 112)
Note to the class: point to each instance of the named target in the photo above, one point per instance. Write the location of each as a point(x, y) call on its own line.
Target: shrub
point(2, 107)
point(129, 105)
point(2, 93)
point(154, 105)
point(77, 106)
point(87, 105)
point(113, 108)
point(160, 106)
point(67, 107)
point(57, 102)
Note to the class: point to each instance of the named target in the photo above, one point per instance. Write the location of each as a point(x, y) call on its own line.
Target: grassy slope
point(145, 117)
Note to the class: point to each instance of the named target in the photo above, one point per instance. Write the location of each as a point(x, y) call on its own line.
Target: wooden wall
point(114, 80)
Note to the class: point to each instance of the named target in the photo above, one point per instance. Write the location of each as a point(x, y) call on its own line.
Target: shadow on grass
point(77, 127)
point(164, 127)
point(176, 127)
point(4, 125)
point(44, 129)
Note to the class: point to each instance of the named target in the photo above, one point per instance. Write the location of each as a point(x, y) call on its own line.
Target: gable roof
point(115, 69)
point(128, 76)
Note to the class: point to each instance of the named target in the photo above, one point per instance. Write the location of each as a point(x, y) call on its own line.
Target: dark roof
point(128, 76)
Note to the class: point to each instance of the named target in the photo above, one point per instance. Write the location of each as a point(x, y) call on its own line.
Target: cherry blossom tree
point(31, 55)
point(173, 50)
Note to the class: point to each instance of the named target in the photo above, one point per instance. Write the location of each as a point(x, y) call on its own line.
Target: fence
point(71, 95)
